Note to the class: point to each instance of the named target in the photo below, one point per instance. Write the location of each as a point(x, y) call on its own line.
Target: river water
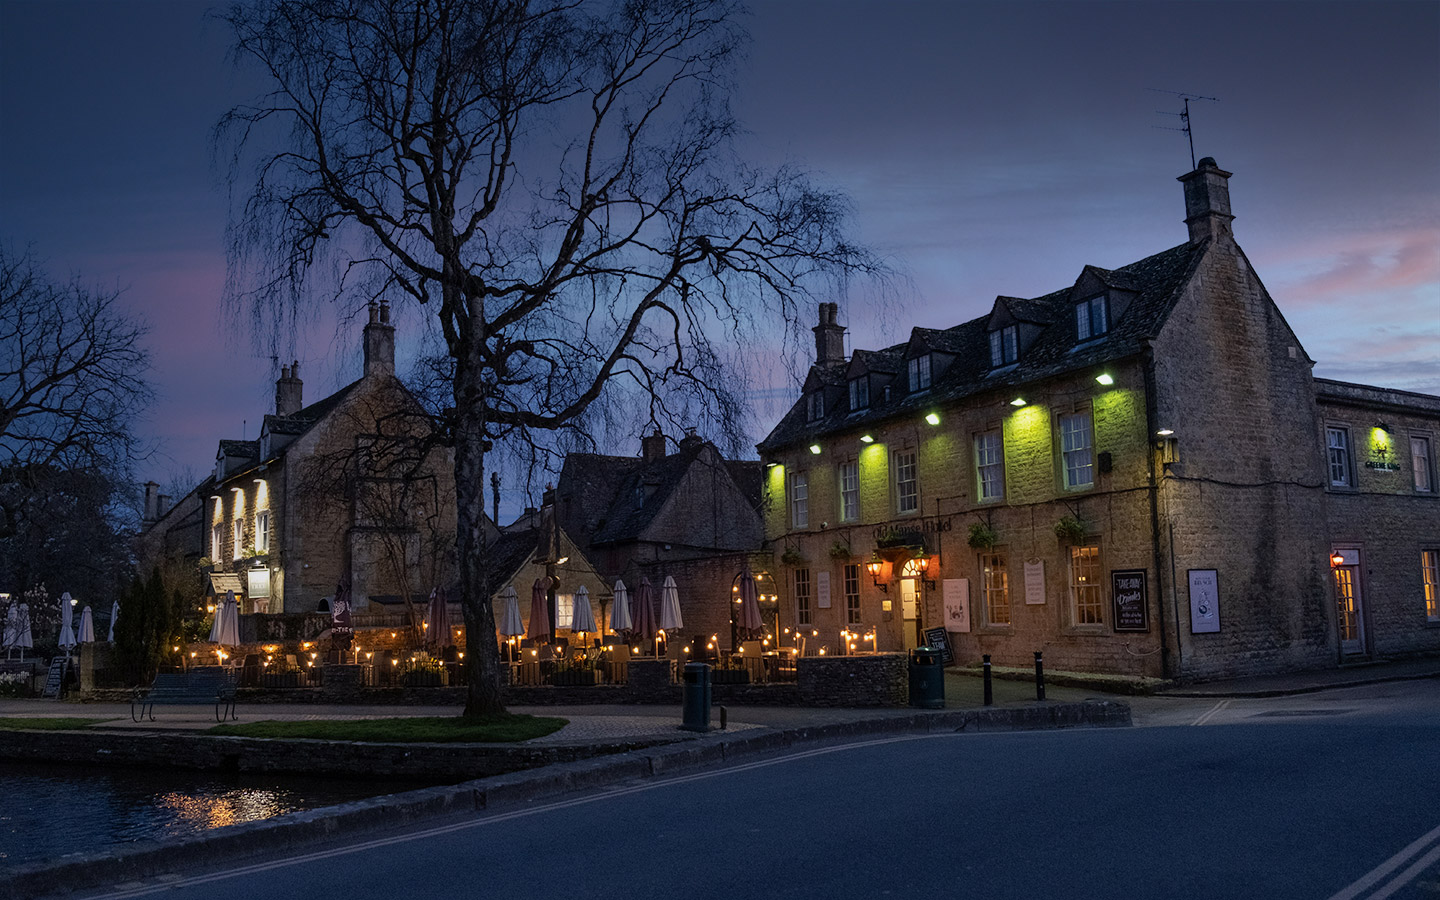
point(47, 811)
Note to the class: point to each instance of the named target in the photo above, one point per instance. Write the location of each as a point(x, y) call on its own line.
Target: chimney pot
point(379, 342)
point(829, 337)
point(652, 447)
point(1207, 201)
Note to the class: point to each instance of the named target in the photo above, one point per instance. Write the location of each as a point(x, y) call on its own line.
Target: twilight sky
point(989, 148)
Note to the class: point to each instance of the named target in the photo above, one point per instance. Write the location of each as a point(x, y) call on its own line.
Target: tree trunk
point(482, 654)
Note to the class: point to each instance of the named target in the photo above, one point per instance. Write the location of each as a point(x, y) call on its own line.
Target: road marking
point(179, 882)
point(1379, 873)
point(1210, 714)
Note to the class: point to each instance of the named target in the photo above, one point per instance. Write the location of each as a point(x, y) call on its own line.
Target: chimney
point(150, 512)
point(691, 440)
point(288, 390)
point(379, 342)
point(652, 447)
point(1207, 201)
point(829, 337)
point(162, 505)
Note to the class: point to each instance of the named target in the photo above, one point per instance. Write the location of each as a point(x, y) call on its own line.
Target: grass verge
point(42, 724)
point(505, 729)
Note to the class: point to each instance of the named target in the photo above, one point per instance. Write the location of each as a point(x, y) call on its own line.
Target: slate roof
point(240, 449)
point(1155, 280)
point(508, 553)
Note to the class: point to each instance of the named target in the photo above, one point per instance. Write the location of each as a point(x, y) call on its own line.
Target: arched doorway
point(910, 620)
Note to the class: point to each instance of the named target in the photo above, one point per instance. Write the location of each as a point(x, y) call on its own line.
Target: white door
point(1349, 611)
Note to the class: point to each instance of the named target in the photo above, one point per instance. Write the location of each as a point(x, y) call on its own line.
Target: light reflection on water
point(48, 811)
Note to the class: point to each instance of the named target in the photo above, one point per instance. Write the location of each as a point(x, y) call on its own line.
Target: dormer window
point(920, 373)
point(859, 393)
point(1091, 319)
point(815, 406)
point(1004, 346)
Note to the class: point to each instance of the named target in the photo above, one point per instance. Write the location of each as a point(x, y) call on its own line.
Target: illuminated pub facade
point(1137, 474)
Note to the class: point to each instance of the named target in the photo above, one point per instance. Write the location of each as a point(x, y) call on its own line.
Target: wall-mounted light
point(815, 449)
point(1337, 559)
point(771, 464)
point(1018, 401)
point(922, 565)
point(873, 567)
point(1165, 432)
point(866, 439)
point(1105, 378)
point(235, 489)
point(932, 418)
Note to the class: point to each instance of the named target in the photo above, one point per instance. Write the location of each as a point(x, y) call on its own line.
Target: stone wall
point(854, 681)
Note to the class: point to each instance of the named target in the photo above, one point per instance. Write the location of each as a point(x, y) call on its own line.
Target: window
point(989, 467)
point(217, 532)
point(237, 537)
point(1424, 475)
point(995, 582)
point(564, 610)
point(815, 406)
point(907, 490)
point(849, 491)
point(1075, 450)
point(802, 596)
point(852, 594)
point(1085, 600)
point(1430, 574)
point(799, 500)
point(859, 392)
point(1337, 445)
point(1090, 318)
point(920, 373)
point(1004, 346)
point(262, 531)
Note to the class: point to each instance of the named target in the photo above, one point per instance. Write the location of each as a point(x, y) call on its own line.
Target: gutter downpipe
point(1151, 415)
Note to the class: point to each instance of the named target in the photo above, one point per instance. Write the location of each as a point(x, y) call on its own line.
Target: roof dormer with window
point(1098, 299)
point(1013, 326)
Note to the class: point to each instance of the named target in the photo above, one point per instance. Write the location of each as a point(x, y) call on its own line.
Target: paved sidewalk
point(1310, 682)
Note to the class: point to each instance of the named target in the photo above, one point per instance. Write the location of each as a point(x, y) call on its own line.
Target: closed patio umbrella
point(539, 610)
point(67, 618)
point(645, 611)
point(87, 627)
point(670, 618)
point(748, 619)
point(582, 620)
point(510, 622)
point(226, 630)
point(437, 620)
point(25, 640)
point(11, 636)
point(114, 614)
point(620, 619)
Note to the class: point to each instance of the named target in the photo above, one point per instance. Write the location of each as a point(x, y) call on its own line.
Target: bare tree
point(553, 180)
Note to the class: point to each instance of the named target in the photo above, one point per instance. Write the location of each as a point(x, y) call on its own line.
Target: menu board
point(1127, 592)
point(55, 678)
point(1034, 581)
point(955, 594)
point(937, 638)
point(1204, 601)
point(822, 590)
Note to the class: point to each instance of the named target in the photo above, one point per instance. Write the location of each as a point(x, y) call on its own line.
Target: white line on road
point(499, 817)
point(1377, 874)
point(1210, 714)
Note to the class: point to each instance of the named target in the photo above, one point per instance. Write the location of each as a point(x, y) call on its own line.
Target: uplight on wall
point(815, 449)
point(1018, 401)
point(1105, 379)
point(932, 418)
point(866, 439)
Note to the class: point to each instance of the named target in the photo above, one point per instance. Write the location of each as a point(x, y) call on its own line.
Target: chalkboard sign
point(56, 676)
point(937, 638)
point(1132, 613)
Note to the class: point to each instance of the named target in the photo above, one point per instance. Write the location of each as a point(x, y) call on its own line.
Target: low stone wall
point(881, 679)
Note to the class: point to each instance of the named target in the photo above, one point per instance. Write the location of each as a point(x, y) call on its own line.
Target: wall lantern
point(815, 449)
point(1018, 401)
point(922, 565)
point(866, 439)
point(1337, 559)
point(873, 567)
point(1105, 378)
point(932, 418)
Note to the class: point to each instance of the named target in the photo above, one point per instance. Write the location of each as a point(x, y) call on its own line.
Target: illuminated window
point(1004, 346)
point(815, 406)
point(1430, 574)
point(995, 582)
point(1090, 318)
point(859, 392)
point(907, 488)
point(564, 610)
point(849, 491)
point(989, 467)
point(1085, 599)
point(1075, 450)
point(1421, 465)
point(920, 373)
point(1337, 446)
point(852, 594)
point(802, 596)
point(217, 537)
point(799, 500)
point(262, 531)
point(237, 537)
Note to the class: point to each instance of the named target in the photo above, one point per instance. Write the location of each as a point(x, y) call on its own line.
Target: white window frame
point(849, 478)
point(799, 500)
point(850, 580)
point(919, 373)
point(262, 531)
point(1422, 464)
point(907, 480)
point(995, 588)
point(564, 610)
point(1077, 450)
point(1087, 589)
point(802, 597)
point(989, 466)
point(217, 540)
point(1430, 583)
point(859, 393)
point(1339, 460)
point(237, 536)
point(1004, 346)
point(1092, 318)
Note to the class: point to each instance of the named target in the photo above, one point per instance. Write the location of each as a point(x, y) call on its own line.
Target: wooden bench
point(186, 690)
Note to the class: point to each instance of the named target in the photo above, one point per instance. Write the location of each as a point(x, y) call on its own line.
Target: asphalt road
point(1330, 796)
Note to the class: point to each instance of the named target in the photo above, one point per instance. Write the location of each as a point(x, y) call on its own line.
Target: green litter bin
point(927, 678)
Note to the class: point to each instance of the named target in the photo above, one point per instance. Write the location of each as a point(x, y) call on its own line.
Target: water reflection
point(50, 811)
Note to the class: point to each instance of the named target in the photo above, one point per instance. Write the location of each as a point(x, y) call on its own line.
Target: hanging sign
point(1127, 593)
point(955, 594)
point(1204, 601)
point(1034, 581)
point(822, 590)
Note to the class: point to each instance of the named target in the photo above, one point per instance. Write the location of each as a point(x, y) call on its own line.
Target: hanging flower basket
point(982, 536)
point(791, 557)
point(1070, 529)
point(839, 551)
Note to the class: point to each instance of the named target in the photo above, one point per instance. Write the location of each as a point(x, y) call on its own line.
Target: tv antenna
point(1184, 115)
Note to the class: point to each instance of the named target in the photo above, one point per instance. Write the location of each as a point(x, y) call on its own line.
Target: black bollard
point(989, 691)
point(1039, 676)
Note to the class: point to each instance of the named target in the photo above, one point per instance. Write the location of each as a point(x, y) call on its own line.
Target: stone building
point(692, 515)
point(1135, 474)
point(349, 488)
